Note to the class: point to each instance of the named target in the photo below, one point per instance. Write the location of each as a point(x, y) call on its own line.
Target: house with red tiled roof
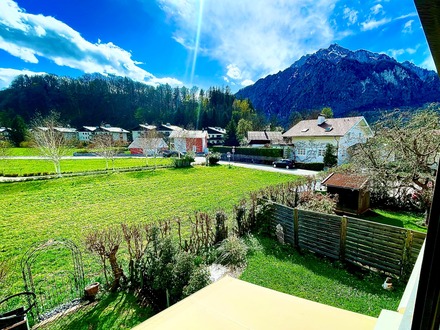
point(310, 137)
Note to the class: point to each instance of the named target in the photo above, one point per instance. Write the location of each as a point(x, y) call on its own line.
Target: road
point(269, 168)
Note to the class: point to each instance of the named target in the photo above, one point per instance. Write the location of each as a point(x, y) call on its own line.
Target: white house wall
point(312, 150)
point(357, 134)
point(180, 144)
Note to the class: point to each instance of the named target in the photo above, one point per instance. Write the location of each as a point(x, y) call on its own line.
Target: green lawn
point(111, 311)
point(283, 269)
point(28, 166)
point(408, 220)
point(68, 207)
point(33, 152)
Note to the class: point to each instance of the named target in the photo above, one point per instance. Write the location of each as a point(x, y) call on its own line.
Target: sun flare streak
point(196, 48)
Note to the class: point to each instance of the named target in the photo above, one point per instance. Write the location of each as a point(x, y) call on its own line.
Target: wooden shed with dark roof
point(353, 192)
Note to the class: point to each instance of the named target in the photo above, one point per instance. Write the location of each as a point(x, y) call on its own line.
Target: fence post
point(406, 255)
point(295, 227)
point(343, 238)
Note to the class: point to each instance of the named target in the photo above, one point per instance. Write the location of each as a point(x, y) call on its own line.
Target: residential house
point(118, 134)
point(148, 146)
point(262, 138)
point(4, 133)
point(167, 129)
point(142, 130)
point(216, 136)
point(68, 133)
point(189, 141)
point(310, 137)
point(86, 133)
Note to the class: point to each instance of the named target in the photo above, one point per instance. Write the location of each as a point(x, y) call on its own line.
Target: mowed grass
point(282, 268)
point(34, 151)
point(70, 207)
point(111, 311)
point(408, 220)
point(29, 166)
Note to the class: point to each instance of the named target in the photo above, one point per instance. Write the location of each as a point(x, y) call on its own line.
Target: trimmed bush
point(310, 166)
point(183, 162)
point(214, 158)
point(266, 152)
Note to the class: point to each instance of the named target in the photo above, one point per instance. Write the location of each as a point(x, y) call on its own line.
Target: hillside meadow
point(35, 211)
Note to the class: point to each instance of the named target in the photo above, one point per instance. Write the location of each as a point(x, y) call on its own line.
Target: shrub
point(167, 273)
point(198, 280)
point(105, 243)
point(185, 161)
point(214, 158)
point(267, 152)
point(317, 202)
point(232, 252)
point(310, 166)
point(221, 229)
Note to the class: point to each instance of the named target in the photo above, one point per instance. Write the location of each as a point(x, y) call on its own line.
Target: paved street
point(270, 168)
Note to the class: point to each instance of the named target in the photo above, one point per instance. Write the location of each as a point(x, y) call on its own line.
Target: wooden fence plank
point(362, 242)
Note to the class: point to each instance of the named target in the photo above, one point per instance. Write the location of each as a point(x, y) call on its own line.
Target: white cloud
point(233, 71)
point(30, 37)
point(376, 9)
point(407, 28)
point(395, 53)
point(374, 24)
point(351, 15)
point(428, 63)
point(7, 75)
point(259, 37)
point(246, 82)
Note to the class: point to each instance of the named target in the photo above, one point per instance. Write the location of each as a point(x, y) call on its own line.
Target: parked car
point(287, 163)
point(170, 153)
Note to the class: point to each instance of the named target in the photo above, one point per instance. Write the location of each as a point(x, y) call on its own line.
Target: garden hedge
point(266, 152)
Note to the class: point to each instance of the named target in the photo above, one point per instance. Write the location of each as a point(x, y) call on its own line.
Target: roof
point(168, 127)
point(91, 128)
point(147, 142)
point(331, 127)
point(60, 129)
point(189, 134)
point(234, 304)
point(272, 137)
point(346, 181)
point(114, 129)
point(148, 127)
point(217, 130)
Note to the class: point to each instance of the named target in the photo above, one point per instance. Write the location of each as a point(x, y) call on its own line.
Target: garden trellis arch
point(58, 281)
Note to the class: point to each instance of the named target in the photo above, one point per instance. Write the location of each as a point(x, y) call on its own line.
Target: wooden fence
point(368, 244)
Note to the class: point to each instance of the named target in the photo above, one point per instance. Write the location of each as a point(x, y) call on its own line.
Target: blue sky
point(197, 43)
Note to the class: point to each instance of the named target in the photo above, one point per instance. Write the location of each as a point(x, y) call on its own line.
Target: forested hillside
point(95, 99)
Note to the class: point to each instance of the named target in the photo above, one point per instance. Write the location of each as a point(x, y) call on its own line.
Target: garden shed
point(353, 192)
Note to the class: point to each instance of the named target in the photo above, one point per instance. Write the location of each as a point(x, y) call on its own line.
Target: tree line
point(95, 99)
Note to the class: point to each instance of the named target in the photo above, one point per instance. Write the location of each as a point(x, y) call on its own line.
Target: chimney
point(321, 119)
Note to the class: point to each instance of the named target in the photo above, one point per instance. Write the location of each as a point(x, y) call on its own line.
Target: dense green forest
point(95, 99)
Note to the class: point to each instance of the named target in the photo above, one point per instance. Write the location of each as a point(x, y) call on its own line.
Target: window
point(301, 152)
point(321, 152)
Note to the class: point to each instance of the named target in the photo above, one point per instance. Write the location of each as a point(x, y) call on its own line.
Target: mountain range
point(350, 82)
